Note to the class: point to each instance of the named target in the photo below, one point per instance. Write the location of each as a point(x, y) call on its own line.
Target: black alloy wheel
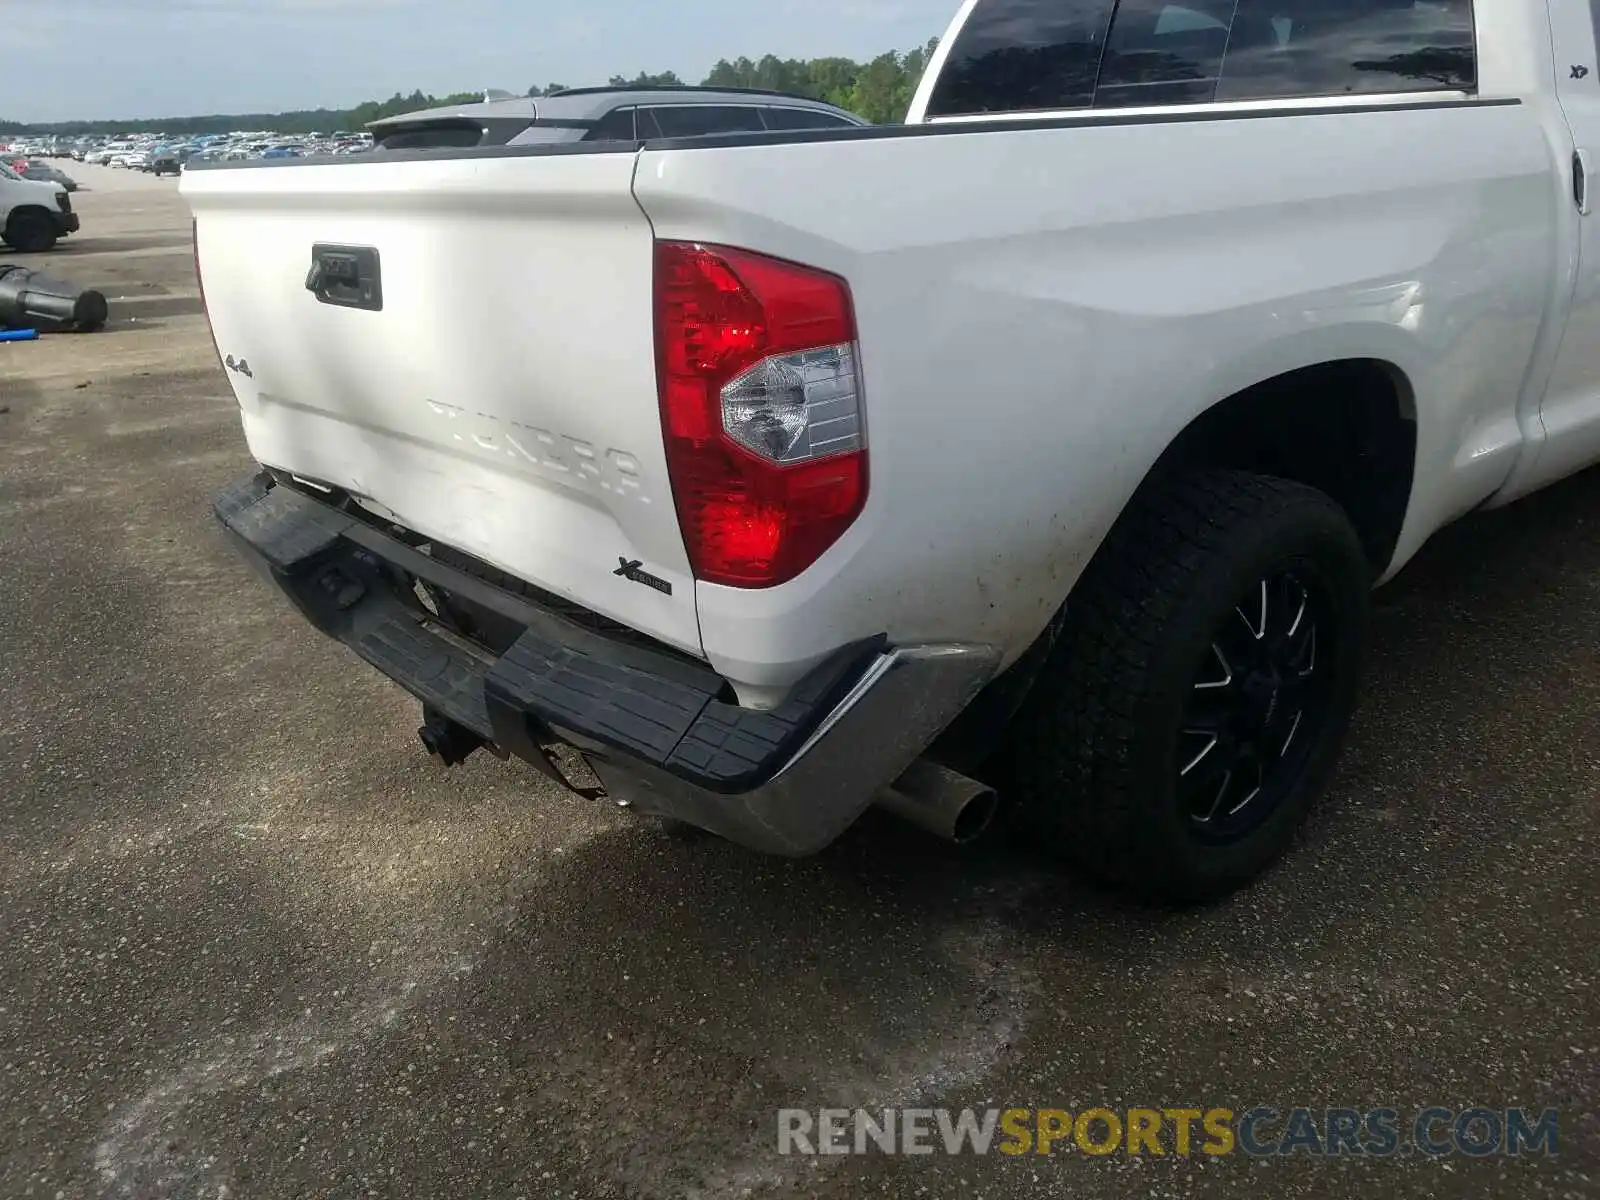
point(1249, 727)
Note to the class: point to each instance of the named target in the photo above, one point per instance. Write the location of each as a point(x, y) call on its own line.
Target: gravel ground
point(253, 944)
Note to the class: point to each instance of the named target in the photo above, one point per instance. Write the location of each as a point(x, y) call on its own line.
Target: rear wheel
point(31, 232)
point(1195, 705)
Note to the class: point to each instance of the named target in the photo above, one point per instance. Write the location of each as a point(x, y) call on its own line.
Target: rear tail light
point(761, 407)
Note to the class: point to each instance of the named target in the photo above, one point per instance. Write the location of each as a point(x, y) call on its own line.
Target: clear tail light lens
point(762, 410)
point(795, 407)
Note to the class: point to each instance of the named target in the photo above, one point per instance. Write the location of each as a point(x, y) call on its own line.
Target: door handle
point(1580, 180)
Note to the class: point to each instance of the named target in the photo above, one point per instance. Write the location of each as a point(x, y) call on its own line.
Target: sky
point(105, 59)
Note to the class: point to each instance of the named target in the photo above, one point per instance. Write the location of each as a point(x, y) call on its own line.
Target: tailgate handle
point(346, 276)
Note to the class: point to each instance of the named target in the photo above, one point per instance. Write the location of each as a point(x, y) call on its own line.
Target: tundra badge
point(635, 571)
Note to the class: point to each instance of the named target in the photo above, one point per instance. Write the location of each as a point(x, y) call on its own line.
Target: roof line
point(683, 87)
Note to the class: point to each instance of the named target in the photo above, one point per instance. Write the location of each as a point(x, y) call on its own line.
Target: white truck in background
point(34, 215)
point(1050, 443)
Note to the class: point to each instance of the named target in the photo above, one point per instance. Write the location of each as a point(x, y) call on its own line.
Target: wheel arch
point(1345, 426)
point(1364, 404)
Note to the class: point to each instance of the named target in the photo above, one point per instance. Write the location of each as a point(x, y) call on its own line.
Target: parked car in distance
point(43, 172)
point(164, 162)
point(607, 114)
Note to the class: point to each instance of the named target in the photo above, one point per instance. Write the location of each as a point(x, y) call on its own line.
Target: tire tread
point(1069, 762)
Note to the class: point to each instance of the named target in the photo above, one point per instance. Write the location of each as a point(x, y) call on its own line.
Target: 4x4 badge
point(635, 571)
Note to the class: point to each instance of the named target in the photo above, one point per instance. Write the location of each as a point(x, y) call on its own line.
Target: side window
point(615, 126)
point(1161, 53)
point(697, 120)
point(811, 118)
point(1347, 47)
point(1021, 55)
point(1016, 55)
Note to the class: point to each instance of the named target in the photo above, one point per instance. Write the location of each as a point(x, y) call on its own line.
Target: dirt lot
point(252, 944)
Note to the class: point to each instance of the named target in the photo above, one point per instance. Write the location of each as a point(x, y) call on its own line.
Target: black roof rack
point(683, 87)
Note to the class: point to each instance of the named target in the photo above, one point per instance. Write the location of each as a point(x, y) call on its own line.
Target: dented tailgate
point(467, 344)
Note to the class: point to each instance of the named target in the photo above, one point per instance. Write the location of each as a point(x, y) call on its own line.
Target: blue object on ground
point(18, 335)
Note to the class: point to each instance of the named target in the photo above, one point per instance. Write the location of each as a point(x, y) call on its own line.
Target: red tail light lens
point(761, 408)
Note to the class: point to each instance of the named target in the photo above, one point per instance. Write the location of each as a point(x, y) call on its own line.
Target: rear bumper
point(653, 725)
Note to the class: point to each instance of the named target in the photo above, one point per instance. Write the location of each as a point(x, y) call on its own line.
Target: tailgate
point(478, 361)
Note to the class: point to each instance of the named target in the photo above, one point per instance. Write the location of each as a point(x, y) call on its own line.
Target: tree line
point(879, 90)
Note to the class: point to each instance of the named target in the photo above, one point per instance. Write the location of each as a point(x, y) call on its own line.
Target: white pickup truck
point(1050, 443)
point(34, 215)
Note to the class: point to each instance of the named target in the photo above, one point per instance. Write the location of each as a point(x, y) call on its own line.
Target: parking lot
point(254, 944)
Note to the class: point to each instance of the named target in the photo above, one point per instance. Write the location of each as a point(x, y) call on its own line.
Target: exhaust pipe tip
point(976, 818)
point(943, 802)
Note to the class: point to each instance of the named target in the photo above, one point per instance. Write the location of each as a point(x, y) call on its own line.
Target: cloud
point(337, 6)
point(578, 29)
point(157, 10)
point(869, 12)
point(34, 36)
